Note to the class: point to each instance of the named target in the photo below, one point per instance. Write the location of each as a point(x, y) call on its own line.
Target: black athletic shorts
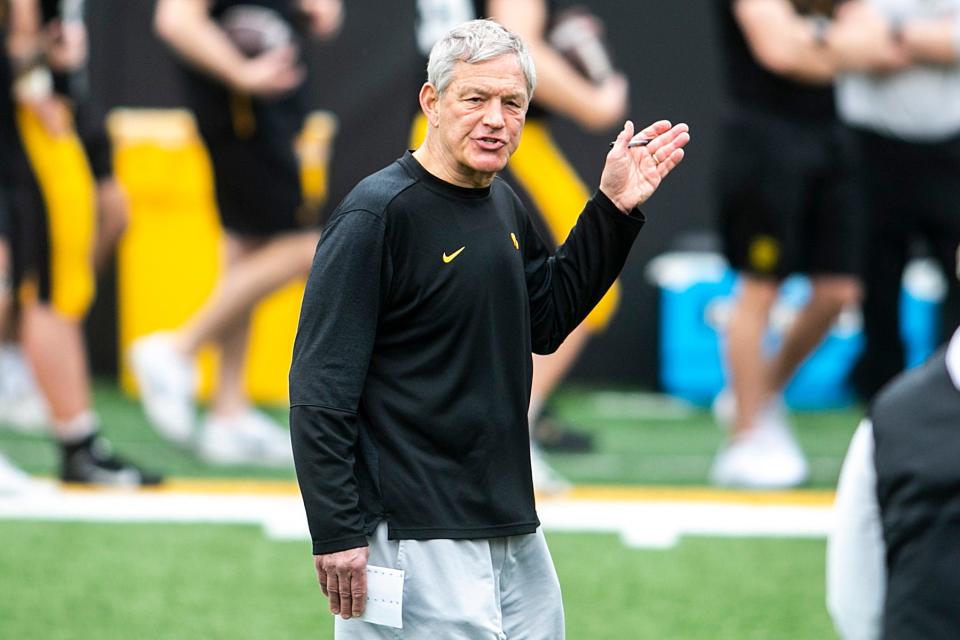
point(255, 169)
point(257, 187)
point(6, 175)
point(789, 196)
point(6, 186)
point(4, 212)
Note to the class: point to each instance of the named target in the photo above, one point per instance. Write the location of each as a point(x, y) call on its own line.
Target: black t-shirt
point(412, 364)
point(750, 86)
point(221, 112)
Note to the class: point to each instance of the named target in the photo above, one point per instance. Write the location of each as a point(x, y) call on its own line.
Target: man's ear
point(429, 100)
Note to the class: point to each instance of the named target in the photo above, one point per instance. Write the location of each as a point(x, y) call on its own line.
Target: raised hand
point(631, 175)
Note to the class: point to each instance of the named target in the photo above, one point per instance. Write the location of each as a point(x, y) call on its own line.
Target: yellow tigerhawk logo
point(447, 259)
point(764, 253)
point(516, 245)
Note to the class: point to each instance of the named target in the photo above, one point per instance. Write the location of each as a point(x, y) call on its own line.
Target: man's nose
point(493, 114)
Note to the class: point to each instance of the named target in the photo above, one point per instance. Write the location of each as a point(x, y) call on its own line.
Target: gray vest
point(916, 423)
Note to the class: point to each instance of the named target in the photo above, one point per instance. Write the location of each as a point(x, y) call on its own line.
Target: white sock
point(77, 428)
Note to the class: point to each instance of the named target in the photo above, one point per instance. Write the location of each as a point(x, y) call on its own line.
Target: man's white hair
point(473, 42)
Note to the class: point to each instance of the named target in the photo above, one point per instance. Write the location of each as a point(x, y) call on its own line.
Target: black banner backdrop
point(369, 76)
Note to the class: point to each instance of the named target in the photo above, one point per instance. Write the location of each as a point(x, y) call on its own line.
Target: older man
point(412, 365)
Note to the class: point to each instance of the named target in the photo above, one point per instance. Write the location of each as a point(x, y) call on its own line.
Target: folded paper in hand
point(384, 597)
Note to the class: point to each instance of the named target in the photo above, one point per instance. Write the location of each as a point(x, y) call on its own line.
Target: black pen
point(635, 143)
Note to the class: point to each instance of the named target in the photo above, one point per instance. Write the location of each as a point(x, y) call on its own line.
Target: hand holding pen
point(639, 142)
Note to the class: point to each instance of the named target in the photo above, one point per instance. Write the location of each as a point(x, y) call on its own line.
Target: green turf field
point(97, 581)
point(641, 439)
point(100, 581)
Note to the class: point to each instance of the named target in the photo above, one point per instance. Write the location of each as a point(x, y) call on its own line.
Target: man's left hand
point(631, 175)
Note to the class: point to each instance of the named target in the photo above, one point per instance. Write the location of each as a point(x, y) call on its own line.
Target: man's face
point(479, 119)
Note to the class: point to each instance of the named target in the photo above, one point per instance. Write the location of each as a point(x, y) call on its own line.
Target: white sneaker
point(167, 381)
point(13, 481)
point(248, 438)
point(22, 406)
point(766, 458)
point(546, 480)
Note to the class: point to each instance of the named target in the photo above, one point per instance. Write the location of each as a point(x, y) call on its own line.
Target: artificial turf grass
point(101, 581)
point(80, 581)
point(704, 588)
point(631, 448)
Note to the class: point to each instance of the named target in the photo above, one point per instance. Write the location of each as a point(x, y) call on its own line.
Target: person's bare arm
point(24, 42)
point(187, 27)
point(560, 87)
point(325, 16)
point(934, 41)
point(33, 84)
point(861, 39)
point(783, 41)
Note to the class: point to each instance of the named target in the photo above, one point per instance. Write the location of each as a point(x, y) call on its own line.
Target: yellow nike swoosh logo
point(447, 259)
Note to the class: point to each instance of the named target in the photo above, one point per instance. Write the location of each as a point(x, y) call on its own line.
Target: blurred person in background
point(907, 129)
point(893, 563)
point(412, 365)
point(49, 190)
point(789, 203)
point(575, 79)
point(21, 404)
point(246, 82)
point(72, 81)
point(22, 407)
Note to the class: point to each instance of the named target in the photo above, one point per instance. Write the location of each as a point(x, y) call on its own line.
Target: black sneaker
point(92, 461)
point(554, 435)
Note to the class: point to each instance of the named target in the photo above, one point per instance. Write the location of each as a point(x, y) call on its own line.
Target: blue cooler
point(696, 296)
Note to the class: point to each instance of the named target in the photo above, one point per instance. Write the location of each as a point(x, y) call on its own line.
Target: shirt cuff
point(323, 547)
point(607, 205)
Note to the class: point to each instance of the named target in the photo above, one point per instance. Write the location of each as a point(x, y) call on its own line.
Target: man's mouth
point(489, 143)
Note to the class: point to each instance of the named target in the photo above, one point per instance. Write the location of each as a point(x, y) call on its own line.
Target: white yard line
point(644, 522)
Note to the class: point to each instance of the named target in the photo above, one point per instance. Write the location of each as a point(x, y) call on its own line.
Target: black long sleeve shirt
point(412, 364)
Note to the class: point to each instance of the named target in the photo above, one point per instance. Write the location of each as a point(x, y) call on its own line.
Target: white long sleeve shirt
point(856, 569)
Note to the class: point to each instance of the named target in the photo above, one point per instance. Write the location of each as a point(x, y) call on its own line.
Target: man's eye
point(474, 99)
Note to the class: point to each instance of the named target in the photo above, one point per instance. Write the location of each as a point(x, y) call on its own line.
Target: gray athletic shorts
point(490, 589)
